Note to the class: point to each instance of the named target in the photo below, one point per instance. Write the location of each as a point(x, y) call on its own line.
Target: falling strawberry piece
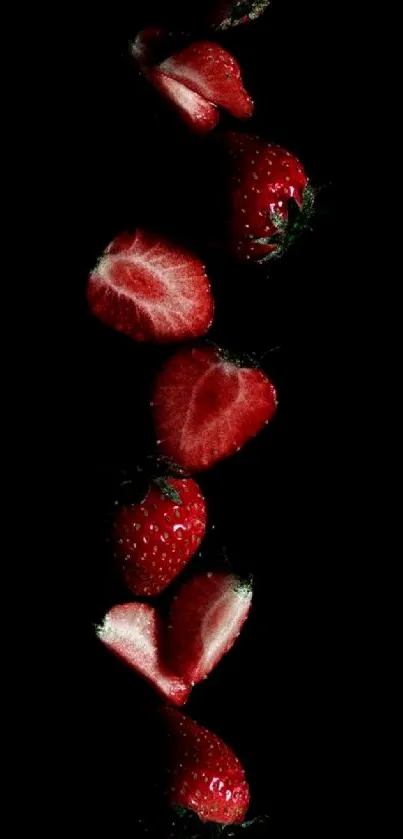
point(133, 632)
point(196, 81)
point(265, 181)
point(151, 289)
point(154, 540)
point(212, 72)
point(227, 13)
point(204, 775)
point(205, 619)
point(198, 114)
point(206, 406)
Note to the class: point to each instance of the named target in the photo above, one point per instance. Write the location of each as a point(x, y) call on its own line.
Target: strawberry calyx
point(238, 359)
point(166, 488)
point(244, 584)
point(192, 827)
point(131, 483)
point(290, 227)
point(242, 12)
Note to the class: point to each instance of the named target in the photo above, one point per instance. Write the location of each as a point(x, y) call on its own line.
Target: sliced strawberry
point(205, 619)
point(206, 406)
point(204, 774)
point(154, 540)
point(196, 81)
point(133, 632)
point(151, 289)
point(198, 114)
point(213, 73)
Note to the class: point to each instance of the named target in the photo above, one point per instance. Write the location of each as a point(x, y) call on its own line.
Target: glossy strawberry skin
point(205, 618)
point(154, 540)
point(151, 289)
point(263, 179)
point(213, 73)
point(204, 775)
point(206, 408)
point(133, 633)
point(196, 81)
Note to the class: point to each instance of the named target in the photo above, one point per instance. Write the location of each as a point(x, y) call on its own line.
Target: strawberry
point(204, 775)
point(155, 539)
point(133, 633)
point(266, 181)
point(207, 405)
point(228, 13)
point(151, 289)
point(205, 619)
point(196, 81)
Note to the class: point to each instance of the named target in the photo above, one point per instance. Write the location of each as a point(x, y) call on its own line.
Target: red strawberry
point(205, 619)
point(265, 180)
point(206, 406)
point(198, 80)
point(154, 540)
point(151, 289)
point(133, 632)
point(204, 774)
point(228, 13)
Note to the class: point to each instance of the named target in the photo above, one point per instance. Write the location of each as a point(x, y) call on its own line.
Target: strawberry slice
point(206, 406)
point(151, 289)
point(205, 619)
point(198, 114)
point(196, 81)
point(212, 72)
point(133, 632)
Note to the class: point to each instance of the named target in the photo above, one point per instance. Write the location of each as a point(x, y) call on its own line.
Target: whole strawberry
point(151, 289)
point(266, 184)
point(204, 775)
point(207, 405)
point(195, 81)
point(205, 619)
point(155, 539)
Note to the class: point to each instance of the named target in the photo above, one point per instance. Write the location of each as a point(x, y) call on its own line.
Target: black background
point(126, 160)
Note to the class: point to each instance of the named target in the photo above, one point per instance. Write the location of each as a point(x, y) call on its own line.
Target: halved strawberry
point(196, 81)
point(204, 774)
point(212, 72)
point(206, 406)
point(205, 619)
point(151, 289)
point(133, 632)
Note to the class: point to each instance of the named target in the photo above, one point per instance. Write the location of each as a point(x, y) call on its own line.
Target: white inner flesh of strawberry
point(213, 426)
point(159, 288)
point(187, 74)
point(221, 626)
point(193, 103)
point(133, 632)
